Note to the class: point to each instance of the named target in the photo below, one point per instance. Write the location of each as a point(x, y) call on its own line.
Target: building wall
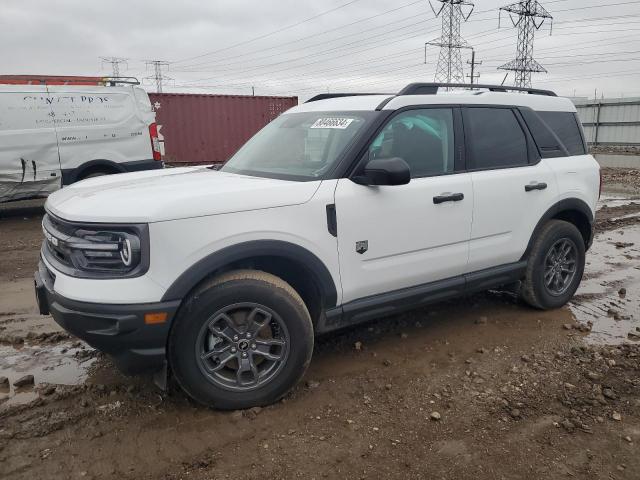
point(618, 161)
point(208, 129)
point(610, 121)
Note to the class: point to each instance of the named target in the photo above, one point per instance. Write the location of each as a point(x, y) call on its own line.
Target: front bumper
point(117, 330)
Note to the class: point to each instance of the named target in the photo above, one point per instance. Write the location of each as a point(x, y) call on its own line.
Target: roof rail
point(112, 81)
point(432, 88)
point(325, 96)
point(66, 80)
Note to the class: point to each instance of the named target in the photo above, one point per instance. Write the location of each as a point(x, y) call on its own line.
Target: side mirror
point(385, 171)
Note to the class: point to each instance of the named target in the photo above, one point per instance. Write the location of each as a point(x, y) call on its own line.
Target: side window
point(496, 139)
point(565, 126)
point(423, 138)
point(548, 142)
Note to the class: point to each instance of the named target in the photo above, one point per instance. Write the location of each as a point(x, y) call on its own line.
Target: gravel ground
point(482, 387)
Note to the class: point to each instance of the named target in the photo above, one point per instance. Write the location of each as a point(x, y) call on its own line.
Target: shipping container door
point(29, 161)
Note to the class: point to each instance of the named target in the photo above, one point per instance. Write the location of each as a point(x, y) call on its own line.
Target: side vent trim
point(332, 221)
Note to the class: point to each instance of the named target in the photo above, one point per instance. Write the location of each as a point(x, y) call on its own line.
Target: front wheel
point(241, 340)
point(555, 266)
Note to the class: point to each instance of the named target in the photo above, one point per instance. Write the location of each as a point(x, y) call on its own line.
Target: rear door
point(29, 162)
point(394, 237)
point(512, 188)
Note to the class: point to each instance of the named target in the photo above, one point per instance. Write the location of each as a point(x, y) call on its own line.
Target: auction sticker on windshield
point(332, 122)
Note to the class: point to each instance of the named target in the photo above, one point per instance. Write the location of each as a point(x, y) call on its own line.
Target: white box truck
point(56, 133)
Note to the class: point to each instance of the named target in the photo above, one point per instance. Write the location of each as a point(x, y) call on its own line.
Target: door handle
point(535, 186)
point(453, 197)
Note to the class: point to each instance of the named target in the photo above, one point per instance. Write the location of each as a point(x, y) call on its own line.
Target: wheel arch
point(572, 210)
point(296, 265)
point(72, 175)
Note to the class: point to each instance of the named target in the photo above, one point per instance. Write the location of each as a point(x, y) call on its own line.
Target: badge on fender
point(362, 246)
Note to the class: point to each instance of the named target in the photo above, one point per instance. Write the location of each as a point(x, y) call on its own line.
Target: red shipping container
point(199, 128)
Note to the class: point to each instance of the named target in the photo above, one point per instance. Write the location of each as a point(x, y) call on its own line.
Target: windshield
point(298, 146)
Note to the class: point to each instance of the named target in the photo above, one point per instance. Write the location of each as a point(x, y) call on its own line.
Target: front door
point(29, 162)
point(393, 237)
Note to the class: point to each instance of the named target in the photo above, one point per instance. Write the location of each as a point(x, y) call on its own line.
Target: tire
point(550, 279)
point(241, 340)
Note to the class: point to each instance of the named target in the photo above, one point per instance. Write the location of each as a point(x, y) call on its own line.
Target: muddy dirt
point(625, 180)
point(479, 388)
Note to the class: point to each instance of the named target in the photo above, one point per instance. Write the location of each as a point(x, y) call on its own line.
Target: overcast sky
point(228, 46)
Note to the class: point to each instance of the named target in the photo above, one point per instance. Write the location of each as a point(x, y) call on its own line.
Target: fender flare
point(563, 205)
point(71, 175)
point(247, 250)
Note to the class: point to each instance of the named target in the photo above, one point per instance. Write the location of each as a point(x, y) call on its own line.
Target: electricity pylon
point(450, 68)
point(531, 16)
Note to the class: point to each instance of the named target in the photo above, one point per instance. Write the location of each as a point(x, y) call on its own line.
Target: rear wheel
point(241, 340)
point(555, 266)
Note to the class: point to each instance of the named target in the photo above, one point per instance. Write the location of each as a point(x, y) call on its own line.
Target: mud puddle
point(61, 364)
point(609, 295)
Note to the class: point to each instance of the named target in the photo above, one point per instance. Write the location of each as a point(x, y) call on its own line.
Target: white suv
point(343, 209)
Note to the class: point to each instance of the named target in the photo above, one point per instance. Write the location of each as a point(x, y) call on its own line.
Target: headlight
point(98, 250)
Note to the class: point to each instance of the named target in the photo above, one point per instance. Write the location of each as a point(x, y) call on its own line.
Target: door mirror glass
point(385, 171)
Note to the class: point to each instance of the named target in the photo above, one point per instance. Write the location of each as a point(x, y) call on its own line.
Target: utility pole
point(473, 64)
point(158, 76)
point(531, 16)
point(115, 64)
point(449, 68)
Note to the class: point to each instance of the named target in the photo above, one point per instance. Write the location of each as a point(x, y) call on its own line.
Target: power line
point(362, 84)
point(314, 36)
point(255, 68)
point(267, 70)
point(449, 68)
point(589, 77)
point(305, 49)
point(416, 33)
point(341, 68)
point(331, 50)
point(412, 3)
point(261, 37)
point(295, 41)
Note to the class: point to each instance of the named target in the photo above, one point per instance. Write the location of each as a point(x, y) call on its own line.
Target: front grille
point(57, 230)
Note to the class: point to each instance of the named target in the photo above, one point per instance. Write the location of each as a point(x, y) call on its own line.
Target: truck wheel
point(241, 340)
point(555, 266)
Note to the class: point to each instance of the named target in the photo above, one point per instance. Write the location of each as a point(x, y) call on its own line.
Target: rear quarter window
point(565, 126)
point(496, 139)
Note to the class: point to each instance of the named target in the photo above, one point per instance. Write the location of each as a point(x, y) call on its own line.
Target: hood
point(172, 193)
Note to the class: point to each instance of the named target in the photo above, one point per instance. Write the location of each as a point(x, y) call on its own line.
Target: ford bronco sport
point(343, 209)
